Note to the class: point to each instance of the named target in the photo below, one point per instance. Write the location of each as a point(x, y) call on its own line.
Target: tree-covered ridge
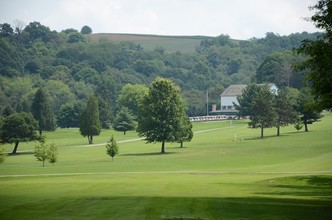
point(72, 68)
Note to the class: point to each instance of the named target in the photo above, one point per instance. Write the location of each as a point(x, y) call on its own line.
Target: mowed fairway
point(213, 177)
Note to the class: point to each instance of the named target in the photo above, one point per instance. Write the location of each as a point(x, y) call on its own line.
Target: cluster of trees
point(72, 68)
point(46, 79)
point(267, 109)
point(161, 115)
point(45, 152)
point(319, 64)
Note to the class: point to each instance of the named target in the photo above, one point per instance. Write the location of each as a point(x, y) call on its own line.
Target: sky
point(240, 19)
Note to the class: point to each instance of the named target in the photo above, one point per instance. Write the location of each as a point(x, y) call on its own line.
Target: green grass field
point(213, 177)
point(150, 42)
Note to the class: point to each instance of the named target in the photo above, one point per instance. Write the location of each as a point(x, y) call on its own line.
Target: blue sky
point(240, 19)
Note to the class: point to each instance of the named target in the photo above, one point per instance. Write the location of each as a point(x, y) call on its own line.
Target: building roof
point(234, 90)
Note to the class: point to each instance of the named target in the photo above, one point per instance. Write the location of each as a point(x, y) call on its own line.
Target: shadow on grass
point(320, 186)
point(18, 153)
point(148, 154)
point(142, 207)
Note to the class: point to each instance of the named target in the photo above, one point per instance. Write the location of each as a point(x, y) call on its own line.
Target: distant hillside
point(150, 42)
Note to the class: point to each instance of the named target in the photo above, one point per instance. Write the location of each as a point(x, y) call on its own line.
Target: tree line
point(67, 69)
point(162, 118)
point(72, 68)
point(267, 109)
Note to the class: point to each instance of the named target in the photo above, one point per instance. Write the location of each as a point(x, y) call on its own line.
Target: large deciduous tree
point(19, 127)
point(89, 120)
point(161, 112)
point(257, 102)
point(42, 111)
point(131, 95)
point(320, 55)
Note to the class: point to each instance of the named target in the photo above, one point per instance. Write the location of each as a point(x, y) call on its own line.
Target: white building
point(229, 97)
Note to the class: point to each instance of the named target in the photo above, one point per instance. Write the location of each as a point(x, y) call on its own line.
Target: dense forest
point(71, 68)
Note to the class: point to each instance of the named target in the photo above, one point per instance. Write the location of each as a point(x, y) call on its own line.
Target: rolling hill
point(150, 42)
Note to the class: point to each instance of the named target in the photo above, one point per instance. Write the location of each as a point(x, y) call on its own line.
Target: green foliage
point(124, 121)
point(161, 112)
point(89, 120)
point(45, 152)
point(257, 102)
point(320, 55)
point(69, 116)
point(42, 111)
point(285, 112)
point(131, 95)
point(41, 152)
point(112, 147)
point(86, 30)
point(298, 124)
point(279, 68)
point(75, 37)
point(72, 68)
point(185, 133)
point(308, 108)
point(19, 127)
point(52, 154)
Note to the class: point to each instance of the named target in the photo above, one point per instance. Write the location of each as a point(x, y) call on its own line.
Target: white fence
point(208, 118)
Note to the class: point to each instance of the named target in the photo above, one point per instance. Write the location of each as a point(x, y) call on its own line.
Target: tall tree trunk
point(262, 131)
point(90, 138)
point(181, 144)
point(16, 146)
point(278, 131)
point(124, 132)
point(306, 127)
point(163, 147)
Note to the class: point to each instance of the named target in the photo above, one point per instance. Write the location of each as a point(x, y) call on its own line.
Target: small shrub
point(112, 148)
point(298, 124)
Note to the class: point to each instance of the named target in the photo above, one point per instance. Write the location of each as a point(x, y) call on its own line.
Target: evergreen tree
point(42, 112)
point(257, 102)
point(308, 108)
point(161, 112)
point(285, 112)
point(89, 120)
point(124, 121)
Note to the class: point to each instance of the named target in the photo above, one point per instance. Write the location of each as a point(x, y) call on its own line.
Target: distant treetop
point(86, 30)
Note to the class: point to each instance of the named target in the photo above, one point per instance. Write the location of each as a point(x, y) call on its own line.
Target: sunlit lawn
point(213, 177)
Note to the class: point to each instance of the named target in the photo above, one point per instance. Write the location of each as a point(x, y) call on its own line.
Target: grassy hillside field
point(213, 177)
point(150, 42)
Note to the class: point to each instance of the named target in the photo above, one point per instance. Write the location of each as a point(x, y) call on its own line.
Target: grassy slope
point(214, 177)
point(150, 42)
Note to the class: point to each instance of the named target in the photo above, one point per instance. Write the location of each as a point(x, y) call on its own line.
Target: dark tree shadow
point(148, 154)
